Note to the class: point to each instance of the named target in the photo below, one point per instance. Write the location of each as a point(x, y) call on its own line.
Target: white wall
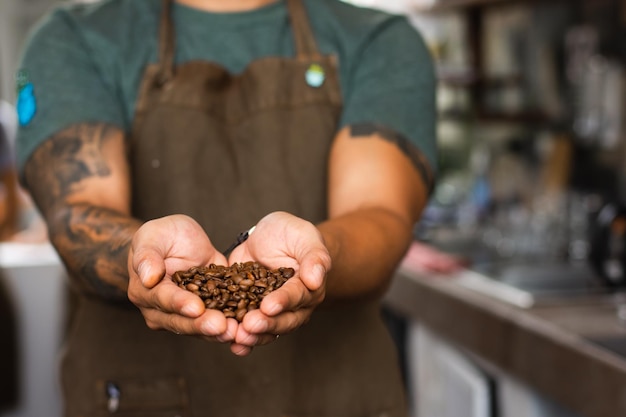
point(16, 19)
point(35, 280)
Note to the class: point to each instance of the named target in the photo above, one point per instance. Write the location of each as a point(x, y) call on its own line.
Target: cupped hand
point(159, 248)
point(283, 240)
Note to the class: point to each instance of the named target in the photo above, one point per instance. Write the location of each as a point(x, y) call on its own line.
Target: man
point(153, 133)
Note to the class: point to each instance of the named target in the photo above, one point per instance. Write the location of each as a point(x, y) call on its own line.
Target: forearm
point(93, 243)
point(365, 247)
point(378, 187)
point(79, 181)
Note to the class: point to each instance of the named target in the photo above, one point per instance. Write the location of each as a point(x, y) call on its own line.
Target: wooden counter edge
point(559, 364)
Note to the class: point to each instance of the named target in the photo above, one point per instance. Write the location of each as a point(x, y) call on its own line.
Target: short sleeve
point(59, 84)
point(392, 83)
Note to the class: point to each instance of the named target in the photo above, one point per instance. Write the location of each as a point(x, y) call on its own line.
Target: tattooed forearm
point(91, 237)
point(415, 155)
point(94, 244)
point(72, 155)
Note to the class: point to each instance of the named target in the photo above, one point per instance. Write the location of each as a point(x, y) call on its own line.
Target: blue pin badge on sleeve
point(315, 75)
point(26, 104)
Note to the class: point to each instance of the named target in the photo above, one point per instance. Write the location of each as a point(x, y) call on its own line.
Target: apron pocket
point(142, 397)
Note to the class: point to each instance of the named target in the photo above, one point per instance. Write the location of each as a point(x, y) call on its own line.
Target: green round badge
point(315, 75)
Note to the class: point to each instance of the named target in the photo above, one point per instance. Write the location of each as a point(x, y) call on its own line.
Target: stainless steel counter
point(572, 349)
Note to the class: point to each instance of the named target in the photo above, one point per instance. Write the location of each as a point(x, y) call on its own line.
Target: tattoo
point(92, 241)
point(94, 244)
point(74, 155)
point(417, 158)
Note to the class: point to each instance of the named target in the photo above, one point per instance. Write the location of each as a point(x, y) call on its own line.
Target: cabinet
point(451, 383)
point(548, 24)
point(543, 113)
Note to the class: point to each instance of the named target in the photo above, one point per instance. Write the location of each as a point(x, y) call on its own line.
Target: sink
point(545, 278)
point(523, 281)
point(529, 284)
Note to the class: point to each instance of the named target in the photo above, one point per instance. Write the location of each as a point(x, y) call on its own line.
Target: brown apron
point(227, 150)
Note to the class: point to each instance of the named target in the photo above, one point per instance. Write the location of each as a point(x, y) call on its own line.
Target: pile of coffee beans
point(234, 289)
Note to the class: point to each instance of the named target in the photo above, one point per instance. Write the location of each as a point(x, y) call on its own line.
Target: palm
point(274, 242)
point(179, 242)
point(190, 247)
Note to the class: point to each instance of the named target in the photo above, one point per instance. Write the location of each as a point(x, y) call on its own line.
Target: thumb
point(148, 266)
point(314, 267)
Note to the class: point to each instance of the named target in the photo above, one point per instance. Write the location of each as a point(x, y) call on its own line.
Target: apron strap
point(166, 43)
point(306, 46)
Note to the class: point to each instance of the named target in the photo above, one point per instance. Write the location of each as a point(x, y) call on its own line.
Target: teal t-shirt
point(83, 63)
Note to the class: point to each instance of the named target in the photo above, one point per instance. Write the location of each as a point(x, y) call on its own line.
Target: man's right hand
point(160, 248)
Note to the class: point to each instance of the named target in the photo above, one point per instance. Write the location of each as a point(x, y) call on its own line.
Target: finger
point(314, 266)
point(160, 320)
point(231, 330)
point(148, 265)
point(245, 338)
point(214, 323)
point(267, 338)
point(240, 350)
point(168, 297)
point(291, 296)
point(256, 323)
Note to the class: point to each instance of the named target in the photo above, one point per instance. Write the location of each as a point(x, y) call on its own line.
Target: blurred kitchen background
point(531, 195)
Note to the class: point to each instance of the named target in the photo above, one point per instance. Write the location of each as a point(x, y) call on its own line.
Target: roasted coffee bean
point(234, 290)
point(240, 313)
